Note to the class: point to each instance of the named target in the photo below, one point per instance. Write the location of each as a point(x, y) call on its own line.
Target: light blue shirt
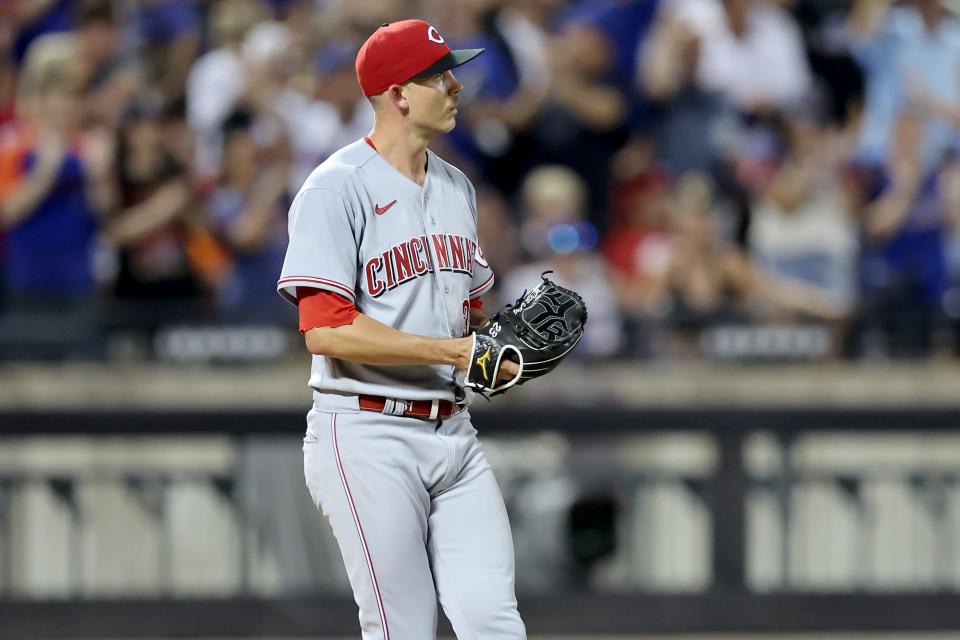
point(903, 48)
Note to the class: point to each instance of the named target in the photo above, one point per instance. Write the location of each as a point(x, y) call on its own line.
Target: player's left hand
point(526, 339)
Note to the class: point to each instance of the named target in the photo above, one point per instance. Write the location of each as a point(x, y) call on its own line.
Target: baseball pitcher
point(384, 267)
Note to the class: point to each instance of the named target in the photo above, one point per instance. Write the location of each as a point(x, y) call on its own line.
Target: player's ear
point(397, 95)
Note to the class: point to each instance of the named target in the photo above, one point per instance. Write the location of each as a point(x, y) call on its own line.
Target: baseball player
point(384, 267)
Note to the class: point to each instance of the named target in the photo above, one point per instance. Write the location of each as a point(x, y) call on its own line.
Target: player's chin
point(447, 124)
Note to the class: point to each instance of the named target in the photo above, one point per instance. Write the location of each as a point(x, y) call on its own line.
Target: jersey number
point(466, 317)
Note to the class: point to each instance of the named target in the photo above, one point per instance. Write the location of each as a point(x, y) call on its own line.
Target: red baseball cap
point(401, 51)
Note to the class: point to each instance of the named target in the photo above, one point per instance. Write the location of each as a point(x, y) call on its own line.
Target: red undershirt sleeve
point(321, 308)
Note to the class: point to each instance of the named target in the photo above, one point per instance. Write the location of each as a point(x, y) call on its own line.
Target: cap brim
point(455, 58)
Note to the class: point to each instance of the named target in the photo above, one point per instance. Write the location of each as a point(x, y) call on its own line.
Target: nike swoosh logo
point(382, 210)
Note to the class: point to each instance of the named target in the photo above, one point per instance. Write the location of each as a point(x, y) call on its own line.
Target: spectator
point(336, 90)
point(803, 227)
point(638, 246)
point(152, 228)
point(830, 51)
point(749, 51)
point(508, 85)
point(698, 128)
point(52, 180)
point(625, 23)
point(694, 121)
point(246, 212)
point(216, 81)
point(111, 79)
point(709, 281)
point(316, 117)
point(705, 279)
point(638, 250)
point(559, 239)
point(266, 54)
point(908, 52)
point(34, 19)
point(905, 271)
point(169, 34)
point(537, 97)
point(583, 119)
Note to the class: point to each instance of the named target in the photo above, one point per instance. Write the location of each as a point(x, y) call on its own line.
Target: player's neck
point(405, 151)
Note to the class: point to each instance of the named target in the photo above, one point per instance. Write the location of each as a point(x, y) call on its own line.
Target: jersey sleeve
point(482, 275)
point(322, 250)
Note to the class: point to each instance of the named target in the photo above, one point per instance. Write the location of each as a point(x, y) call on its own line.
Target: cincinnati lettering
point(414, 258)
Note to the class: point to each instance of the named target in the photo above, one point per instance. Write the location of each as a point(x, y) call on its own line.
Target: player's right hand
point(508, 371)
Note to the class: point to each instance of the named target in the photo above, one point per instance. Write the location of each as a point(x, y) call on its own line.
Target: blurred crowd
point(686, 164)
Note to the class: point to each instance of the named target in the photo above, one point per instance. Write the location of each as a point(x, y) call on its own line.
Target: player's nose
point(454, 85)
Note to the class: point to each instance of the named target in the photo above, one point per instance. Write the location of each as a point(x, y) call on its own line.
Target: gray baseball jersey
point(405, 255)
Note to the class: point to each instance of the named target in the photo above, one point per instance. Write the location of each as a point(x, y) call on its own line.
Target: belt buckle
point(395, 407)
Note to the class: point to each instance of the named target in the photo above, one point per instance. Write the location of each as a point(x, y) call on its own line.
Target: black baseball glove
point(536, 332)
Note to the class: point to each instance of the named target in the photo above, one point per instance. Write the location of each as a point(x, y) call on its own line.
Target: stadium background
point(759, 200)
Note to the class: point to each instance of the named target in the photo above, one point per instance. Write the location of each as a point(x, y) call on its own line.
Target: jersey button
point(446, 289)
point(433, 220)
